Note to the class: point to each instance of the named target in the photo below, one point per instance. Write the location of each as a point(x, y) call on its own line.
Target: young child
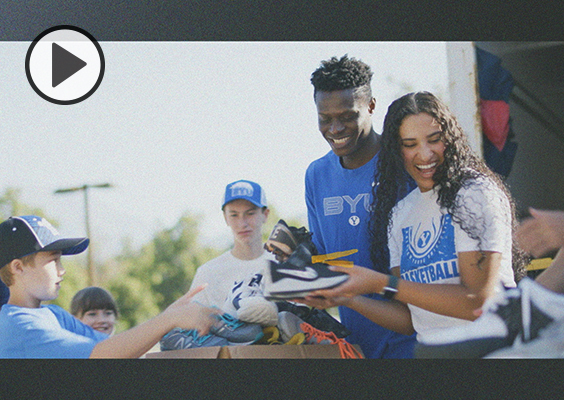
point(30, 260)
point(95, 307)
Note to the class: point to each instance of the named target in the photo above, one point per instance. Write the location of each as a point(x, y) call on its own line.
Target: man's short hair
point(341, 74)
point(6, 275)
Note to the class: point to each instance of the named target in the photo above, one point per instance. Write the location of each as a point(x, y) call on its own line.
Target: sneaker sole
point(300, 294)
point(471, 349)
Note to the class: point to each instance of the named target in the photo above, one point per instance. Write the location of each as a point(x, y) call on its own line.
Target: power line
point(84, 189)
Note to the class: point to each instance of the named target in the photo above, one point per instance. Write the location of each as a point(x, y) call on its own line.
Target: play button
point(65, 65)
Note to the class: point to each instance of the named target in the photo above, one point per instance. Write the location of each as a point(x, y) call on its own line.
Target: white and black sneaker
point(298, 276)
point(514, 318)
point(549, 344)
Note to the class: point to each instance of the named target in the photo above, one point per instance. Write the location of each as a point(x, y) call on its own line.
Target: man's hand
point(541, 233)
point(323, 302)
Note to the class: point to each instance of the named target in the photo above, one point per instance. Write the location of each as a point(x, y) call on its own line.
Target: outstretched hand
point(187, 314)
point(542, 233)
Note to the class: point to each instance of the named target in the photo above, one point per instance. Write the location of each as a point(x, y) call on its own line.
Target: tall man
point(245, 212)
point(339, 187)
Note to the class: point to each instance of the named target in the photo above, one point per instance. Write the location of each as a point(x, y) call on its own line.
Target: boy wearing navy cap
point(245, 212)
point(30, 265)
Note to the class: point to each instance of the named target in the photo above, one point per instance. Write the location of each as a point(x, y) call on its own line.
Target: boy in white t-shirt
point(245, 212)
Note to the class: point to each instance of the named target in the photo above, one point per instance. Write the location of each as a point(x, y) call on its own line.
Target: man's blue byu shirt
point(429, 255)
point(338, 203)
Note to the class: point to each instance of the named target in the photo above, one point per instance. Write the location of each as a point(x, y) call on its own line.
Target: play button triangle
point(64, 64)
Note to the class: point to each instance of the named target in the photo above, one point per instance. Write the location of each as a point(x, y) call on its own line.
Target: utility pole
point(84, 189)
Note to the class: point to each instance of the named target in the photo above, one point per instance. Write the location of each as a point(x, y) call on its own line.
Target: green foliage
point(11, 205)
point(146, 281)
point(273, 218)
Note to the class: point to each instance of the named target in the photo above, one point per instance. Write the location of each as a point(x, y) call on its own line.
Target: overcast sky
point(173, 122)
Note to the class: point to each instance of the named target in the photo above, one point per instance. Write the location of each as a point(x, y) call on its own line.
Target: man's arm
point(312, 217)
point(542, 233)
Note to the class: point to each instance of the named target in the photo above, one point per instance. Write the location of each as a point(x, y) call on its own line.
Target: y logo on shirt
point(429, 253)
point(354, 220)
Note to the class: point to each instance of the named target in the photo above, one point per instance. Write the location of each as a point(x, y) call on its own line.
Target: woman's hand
point(361, 281)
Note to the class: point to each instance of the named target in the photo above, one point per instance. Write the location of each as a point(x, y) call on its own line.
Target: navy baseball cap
point(28, 234)
point(245, 190)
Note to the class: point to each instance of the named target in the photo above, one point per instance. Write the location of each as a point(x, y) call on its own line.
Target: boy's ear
point(16, 266)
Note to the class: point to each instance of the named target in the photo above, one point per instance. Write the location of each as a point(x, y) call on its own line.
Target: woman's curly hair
point(461, 165)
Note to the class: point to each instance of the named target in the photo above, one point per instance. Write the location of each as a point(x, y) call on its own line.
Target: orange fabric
point(345, 348)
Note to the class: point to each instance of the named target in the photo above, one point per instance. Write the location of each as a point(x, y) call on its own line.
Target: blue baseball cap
point(245, 190)
point(28, 234)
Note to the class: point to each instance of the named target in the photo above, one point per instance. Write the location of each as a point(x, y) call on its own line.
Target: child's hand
point(186, 314)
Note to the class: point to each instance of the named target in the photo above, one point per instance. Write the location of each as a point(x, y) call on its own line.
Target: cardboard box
point(255, 351)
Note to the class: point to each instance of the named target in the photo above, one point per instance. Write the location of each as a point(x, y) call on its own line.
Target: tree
point(147, 281)
point(11, 205)
point(273, 219)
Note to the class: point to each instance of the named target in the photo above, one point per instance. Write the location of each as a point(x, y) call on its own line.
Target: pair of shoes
point(227, 331)
point(515, 318)
point(317, 318)
point(298, 276)
point(284, 239)
point(291, 326)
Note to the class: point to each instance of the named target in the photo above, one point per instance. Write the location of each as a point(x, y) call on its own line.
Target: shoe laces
point(298, 338)
point(316, 336)
point(229, 320)
point(271, 335)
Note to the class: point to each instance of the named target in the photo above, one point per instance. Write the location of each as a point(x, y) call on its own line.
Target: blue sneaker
point(179, 338)
point(236, 331)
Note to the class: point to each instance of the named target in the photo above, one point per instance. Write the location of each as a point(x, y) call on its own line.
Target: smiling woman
point(422, 148)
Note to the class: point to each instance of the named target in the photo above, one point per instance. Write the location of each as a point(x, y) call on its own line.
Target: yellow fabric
point(541, 263)
point(330, 258)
